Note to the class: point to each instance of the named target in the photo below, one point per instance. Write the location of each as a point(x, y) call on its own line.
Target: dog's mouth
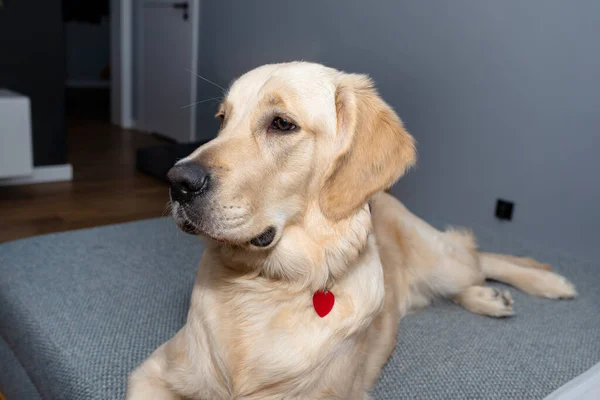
point(265, 238)
point(187, 225)
point(184, 222)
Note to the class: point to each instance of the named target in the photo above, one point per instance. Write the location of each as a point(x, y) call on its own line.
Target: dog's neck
point(313, 253)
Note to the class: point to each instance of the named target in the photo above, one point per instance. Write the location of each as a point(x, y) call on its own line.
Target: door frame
point(121, 62)
point(125, 45)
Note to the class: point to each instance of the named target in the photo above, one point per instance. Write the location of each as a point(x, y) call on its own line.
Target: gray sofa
point(79, 310)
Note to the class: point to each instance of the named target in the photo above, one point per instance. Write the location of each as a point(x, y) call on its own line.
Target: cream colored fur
point(252, 332)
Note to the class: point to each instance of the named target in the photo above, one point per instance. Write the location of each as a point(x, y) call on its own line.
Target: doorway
point(155, 56)
point(86, 27)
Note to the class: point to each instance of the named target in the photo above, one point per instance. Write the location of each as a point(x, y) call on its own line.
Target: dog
point(309, 264)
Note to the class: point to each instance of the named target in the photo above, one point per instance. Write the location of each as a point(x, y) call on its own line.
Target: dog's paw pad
point(496, 302)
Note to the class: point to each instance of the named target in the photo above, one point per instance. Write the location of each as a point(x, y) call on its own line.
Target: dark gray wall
point(88, 50)
point(502, 96)
point(32, 62)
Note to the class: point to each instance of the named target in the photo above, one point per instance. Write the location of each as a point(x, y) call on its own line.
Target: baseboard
point(50, 173)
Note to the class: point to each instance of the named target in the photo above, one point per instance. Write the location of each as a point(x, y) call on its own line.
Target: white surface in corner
point(584, 387)
point(50, 173)
point(15, 134)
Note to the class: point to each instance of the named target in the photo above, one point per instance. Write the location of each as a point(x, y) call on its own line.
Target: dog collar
point(323, 302)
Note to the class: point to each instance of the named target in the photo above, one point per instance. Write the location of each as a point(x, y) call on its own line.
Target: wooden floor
point(105, 189)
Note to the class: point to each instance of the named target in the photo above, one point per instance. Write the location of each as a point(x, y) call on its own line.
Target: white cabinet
point(15, 135)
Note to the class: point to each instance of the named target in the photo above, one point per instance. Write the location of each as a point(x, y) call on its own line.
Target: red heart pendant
point(323, 302)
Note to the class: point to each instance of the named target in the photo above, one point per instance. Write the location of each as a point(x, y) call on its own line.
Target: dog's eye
point(282, 125)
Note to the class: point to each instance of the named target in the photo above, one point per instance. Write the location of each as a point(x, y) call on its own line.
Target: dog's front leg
point(169, 373)
point(149, 380)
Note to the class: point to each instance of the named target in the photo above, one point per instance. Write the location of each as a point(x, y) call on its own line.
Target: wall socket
point(504, 209)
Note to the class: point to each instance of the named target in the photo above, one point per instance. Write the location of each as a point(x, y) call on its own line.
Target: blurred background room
point(502, 98)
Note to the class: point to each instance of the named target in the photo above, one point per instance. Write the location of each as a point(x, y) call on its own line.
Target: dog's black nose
point(187, 181)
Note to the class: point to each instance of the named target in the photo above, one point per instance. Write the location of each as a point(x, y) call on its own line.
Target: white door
point(167, 53)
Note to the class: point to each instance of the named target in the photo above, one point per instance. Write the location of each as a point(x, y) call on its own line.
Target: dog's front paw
point(487, 300)
point(499, 302)
point(552, 286)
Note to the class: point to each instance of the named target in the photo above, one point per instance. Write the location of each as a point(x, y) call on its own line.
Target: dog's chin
point(190, 228)
point(263, 240)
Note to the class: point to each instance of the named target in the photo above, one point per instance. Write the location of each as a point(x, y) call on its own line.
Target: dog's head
point(294, 138)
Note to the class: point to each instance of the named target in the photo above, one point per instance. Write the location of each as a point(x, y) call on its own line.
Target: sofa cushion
point(14, 381)
point(81, 309)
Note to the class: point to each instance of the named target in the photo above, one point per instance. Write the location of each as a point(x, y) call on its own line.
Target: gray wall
point(502, 96)
point(88, 50)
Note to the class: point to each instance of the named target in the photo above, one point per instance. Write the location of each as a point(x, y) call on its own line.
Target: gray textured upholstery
point(81, 309)
point(14, 381)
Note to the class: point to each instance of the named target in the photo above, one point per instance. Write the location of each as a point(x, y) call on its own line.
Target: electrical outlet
point(504, 209)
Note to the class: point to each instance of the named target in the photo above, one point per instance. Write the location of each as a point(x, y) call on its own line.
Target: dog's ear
point(373, 149)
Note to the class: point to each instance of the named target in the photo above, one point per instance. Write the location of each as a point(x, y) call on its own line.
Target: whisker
point(201, 101)
point(205, 79)
point(167, 209)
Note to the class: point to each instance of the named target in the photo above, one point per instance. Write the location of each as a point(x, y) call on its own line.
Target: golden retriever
point(309, 265)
